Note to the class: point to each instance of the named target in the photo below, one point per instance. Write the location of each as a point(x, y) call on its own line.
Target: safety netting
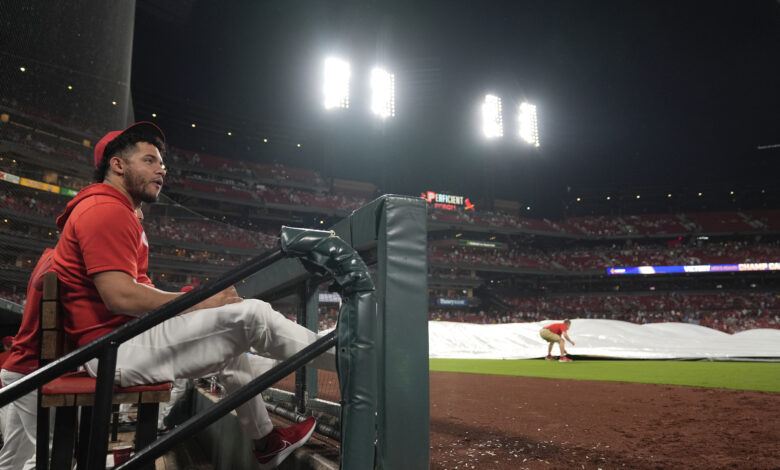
point(67, 63)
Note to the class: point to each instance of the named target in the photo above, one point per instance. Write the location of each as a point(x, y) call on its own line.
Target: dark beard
point(148, 198)
point(135, 189)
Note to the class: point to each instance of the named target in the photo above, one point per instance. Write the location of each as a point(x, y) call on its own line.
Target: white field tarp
point(600, 338)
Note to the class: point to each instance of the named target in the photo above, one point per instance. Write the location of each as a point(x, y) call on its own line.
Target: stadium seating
point(244, 193)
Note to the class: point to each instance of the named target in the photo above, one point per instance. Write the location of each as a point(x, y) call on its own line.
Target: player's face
point(143, 178)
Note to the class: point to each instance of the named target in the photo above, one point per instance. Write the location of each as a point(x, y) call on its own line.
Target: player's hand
point(227, 296)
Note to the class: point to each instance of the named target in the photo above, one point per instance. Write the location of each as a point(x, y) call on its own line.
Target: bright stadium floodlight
point(336, 87)
point(492, 121)
point(529, 130)
point(382, 93)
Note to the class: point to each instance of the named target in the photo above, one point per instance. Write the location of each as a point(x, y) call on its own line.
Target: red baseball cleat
point(564, 359)
point(549, 358)
point(282, 442)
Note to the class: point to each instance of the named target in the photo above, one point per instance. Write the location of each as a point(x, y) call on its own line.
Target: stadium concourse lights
point(492, 120)
point(336, 83)
point(528, 126)
point(382, 93)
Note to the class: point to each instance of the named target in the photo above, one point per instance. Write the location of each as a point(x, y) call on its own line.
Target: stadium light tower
point(492, 121)
point(382, 93)
point(336, 85)
point(528, 126)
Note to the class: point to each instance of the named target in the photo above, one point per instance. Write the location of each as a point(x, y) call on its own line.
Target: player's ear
point(117, 164)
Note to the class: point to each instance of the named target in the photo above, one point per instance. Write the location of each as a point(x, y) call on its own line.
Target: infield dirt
point(495, 422)
point(500, 422)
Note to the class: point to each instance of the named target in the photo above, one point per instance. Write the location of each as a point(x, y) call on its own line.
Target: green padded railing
point(393, 231)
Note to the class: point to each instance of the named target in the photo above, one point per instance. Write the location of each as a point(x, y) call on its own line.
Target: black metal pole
point(42, 436)
point(128, 330)
point(101, 410)
point(300, 374)
point(232, 401)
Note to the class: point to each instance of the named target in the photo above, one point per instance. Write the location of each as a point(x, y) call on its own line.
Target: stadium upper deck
point(240, 206)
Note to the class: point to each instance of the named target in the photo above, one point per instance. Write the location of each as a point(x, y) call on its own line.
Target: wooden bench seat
point(77, 389)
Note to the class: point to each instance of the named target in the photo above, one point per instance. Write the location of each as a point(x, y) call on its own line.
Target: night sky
point(670, 95)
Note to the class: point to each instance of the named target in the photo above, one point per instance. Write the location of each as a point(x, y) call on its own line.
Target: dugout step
point(227, 449)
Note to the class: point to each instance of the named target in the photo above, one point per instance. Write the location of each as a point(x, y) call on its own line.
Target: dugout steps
point(226, 448)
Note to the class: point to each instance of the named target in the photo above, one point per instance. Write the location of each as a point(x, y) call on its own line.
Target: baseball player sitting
point(101, 260)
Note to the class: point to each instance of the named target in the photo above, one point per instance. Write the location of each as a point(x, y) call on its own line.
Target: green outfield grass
point(762, 376)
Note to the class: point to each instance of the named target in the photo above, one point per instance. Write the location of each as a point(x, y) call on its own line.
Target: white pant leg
point(252, 415)
point(124, 413)
point(21, 424)
point(3, 412)
point(214, 341)
point(260, 364)
point(177, 390)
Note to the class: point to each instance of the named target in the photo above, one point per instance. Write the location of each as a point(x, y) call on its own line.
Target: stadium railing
point(390, 234)
point(382, 353)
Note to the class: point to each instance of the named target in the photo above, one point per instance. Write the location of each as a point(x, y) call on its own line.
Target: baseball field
point(759, 376)
point(599, 414)
point(604, 414)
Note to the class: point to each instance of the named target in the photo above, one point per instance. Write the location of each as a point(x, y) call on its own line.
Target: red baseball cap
point(100, 148)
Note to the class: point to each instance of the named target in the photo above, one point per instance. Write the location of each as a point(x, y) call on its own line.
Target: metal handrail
point(321, 251)
point(93, 349)
point(196, 423)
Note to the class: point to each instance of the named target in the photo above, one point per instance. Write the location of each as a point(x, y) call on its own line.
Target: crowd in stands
point(328, 317)
point(28, 203)
point(601, 226)
point(263, 193)
point(18, 167)
point(158, 253)
point(277, 184)
point(18, 297)
point(250, 181)
point(227, 188)
point(46, 144)
point(602, 257)
point(296, 197)
point(480, 257)
point(275, 172)
point(201, 232)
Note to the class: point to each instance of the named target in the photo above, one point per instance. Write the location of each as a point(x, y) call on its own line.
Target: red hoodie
point(23, 357)
point(100, 232)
